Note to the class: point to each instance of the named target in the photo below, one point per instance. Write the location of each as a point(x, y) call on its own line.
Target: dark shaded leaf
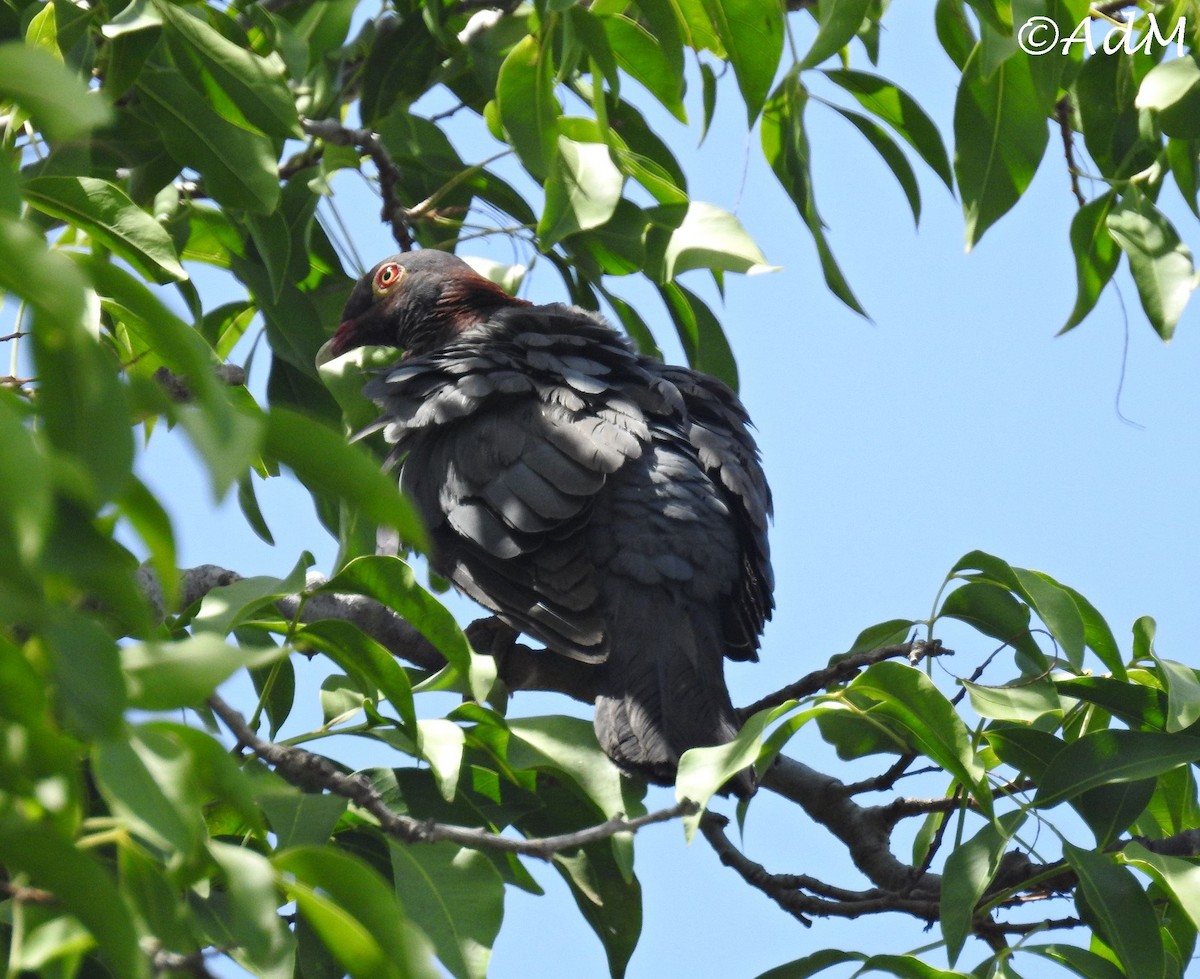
point(1109, 757)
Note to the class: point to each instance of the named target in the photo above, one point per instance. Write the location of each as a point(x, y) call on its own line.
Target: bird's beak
point(337, 344)
point(326, 353)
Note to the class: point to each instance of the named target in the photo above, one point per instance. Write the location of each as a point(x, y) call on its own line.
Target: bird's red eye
point(387, 276)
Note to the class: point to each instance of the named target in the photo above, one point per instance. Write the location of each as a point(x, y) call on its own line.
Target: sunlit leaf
point(167, 676)
point(1160, 262)
point(1172, 90)
point(838, 23)
point(78, 882)
point(1000, 134)
point(528, 108)
point(752, 33)
point(56, 97)
point(238, 166)
point(1096, 256)
point(105, 212)
point(355, 913)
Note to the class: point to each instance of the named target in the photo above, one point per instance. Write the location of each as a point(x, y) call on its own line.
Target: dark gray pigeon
point(604, 503)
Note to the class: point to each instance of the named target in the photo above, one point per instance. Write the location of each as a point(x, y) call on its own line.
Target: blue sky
point(954, 421)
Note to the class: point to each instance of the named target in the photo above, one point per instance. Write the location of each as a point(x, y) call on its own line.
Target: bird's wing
point(507, 435)
point(717, 428)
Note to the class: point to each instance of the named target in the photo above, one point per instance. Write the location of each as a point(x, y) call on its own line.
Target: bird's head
point(417, 301)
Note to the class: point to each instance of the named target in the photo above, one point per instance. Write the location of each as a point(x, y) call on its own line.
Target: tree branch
point(1062, 112)
point(394, 213)
point(845, 669)
point(311, 772)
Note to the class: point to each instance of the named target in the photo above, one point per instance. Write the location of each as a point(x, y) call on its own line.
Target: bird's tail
point(662, 688)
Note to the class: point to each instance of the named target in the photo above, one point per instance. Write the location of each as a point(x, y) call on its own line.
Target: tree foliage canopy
point(144, 140)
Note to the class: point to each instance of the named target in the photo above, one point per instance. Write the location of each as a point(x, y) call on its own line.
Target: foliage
point(145, 139)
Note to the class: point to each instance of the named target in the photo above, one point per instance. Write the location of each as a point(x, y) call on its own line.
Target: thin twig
point(1062, 112)
point(368, 141)
point(846, 669)
point(312, 773)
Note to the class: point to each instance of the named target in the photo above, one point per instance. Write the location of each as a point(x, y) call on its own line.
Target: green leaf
point(528, 109)
point(702, 771)
point(390, 581)
point(355, 914)
point(1026, 749)
point(1180, 877)
point(238, 82)
point(752, 33)
point(659, 68)
point(1112, 901)
point(442, 742)
point(704, 342)
point(77, 376)
point(882, 634)
point(711, 238)
point(1109, 810)
point(224, 608)
point(456, 897)
point(995, 612)
point(1083, 961)
point(567, 745)
point(56, 97)
point(146, 782)
point(970, 868)
point(1096, 256)
point(325, 463)
point(111, 218)
point(1056, 608)
point(371, 665)
point(839, 22)
point(172, 675)
point(1022, 701)
point(300, 818)
point(877, 136)
point(1109, 757)
point(90, 692)
point(1183, 694)
point(582, 191)
point(1172, 91)
point(810, 965)
point(785, 146)
point(25, 502)
point(1183, 156)
point(259, 931)
point(1137, 704)
point(908, 698)
point(1000, 134)
point(239, 166)
point(1160, 262)
point(900, 111)
point(227, 439)
point(1098, 635)
point(79, 884)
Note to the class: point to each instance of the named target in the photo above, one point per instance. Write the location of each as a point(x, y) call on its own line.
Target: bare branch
point(1062, 112)
point(178, 389)
point(311, 772)
point(394, 213)
point(845, 669)
point(26, 895)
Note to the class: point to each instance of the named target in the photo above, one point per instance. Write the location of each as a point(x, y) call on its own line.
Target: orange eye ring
point(387, 276)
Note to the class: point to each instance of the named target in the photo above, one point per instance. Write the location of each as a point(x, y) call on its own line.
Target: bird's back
point(608, 505)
